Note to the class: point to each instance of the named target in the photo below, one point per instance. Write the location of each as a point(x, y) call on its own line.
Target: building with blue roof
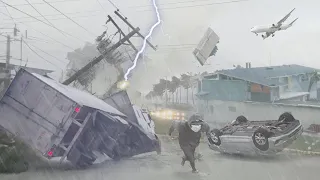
point(263, 84)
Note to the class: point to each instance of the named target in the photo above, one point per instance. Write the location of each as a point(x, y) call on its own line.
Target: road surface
point(167, 167)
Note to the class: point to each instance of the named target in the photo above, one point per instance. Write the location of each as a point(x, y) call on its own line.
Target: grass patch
point(15, 156)
point(306, 143)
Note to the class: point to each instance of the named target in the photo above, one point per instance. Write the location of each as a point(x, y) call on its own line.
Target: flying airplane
point(270, 30)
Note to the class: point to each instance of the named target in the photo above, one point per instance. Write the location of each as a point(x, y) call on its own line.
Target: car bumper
point(277, 144)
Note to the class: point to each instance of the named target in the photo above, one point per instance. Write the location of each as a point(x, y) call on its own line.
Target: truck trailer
point(55, 120)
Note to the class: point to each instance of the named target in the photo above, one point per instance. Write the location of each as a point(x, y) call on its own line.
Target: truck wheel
point(84, 161)
point(286, 117)
point(241, 119)
point(215, 137)
point(260, 139)
point(114, 155)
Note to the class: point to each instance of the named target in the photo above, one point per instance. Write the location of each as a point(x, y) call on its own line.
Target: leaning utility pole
point(131, 26)
point(7, 69)
point(98, 59)
point(122, 33)
point(105, 43)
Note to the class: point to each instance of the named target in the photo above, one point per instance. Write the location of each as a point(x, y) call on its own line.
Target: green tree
point(186, 84)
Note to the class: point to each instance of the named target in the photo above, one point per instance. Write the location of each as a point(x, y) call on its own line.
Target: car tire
point(241, 119)
point(260, 139)
point(286, 117)
point(215, 137)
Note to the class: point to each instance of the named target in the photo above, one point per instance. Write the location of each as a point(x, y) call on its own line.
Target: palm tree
point(165, 84)
point(159, 89)
point(185, 83)
point(175, 83)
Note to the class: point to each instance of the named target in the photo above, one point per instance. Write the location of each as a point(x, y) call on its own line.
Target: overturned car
point(256, 137)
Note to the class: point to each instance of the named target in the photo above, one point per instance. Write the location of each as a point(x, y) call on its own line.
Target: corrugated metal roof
point(32, 70)
point(262, 75)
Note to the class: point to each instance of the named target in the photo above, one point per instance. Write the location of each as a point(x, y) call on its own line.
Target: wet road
point(167, 167)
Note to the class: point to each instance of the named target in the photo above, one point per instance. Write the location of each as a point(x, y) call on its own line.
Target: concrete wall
point(218, 113)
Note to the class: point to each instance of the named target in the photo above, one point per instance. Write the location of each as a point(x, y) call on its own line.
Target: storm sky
point(184, 22)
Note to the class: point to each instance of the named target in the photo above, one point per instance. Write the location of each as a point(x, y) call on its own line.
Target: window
point(232, 109)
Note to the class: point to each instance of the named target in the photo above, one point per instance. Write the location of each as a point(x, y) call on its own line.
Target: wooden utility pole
point(122, 33)
point(130, 25)
point(98, 59)
point(7, 69)
point(21, 40)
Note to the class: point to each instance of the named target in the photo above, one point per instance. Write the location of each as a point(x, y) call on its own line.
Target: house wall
point(260, 93)
point(218, 113)
point(224, 90)
point(296, 83)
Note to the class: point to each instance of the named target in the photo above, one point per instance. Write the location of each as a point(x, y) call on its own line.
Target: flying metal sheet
point(206, 46)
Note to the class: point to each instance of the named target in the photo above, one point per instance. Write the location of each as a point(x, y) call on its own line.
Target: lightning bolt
point(144, 41)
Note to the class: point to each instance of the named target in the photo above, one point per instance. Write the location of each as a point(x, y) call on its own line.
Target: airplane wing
point(285, 18)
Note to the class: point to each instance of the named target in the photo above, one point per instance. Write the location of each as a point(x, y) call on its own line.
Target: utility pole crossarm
point(125, 20)
point(123, 34)
point(98, 59)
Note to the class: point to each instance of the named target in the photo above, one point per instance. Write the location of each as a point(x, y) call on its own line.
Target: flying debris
point(207, 46)
point(271, 29)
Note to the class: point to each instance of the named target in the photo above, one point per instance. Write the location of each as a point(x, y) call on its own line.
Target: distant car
point(256, 137)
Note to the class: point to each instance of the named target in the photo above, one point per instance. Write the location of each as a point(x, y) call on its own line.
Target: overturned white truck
point(60, 121)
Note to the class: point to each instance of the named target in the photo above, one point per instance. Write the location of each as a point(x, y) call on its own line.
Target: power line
point(50, 54)
point(39, 54)
point(9, 13)
point(59, 42)
point(69, 18)
point(54, 15)
point(198, 5)
point(61, 1)
point(170, 3)
point(113, 4)
point(53, 19)
point(41, 14)
point(39, 19)
point(101, 5)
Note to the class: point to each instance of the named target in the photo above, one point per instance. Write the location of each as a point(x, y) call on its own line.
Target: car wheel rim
point(260, 139)
point(214, 138)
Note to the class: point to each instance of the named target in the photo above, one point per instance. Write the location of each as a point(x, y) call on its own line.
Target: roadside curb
point(302, 152)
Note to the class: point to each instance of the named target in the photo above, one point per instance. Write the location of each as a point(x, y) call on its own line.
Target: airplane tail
point(293, 21)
